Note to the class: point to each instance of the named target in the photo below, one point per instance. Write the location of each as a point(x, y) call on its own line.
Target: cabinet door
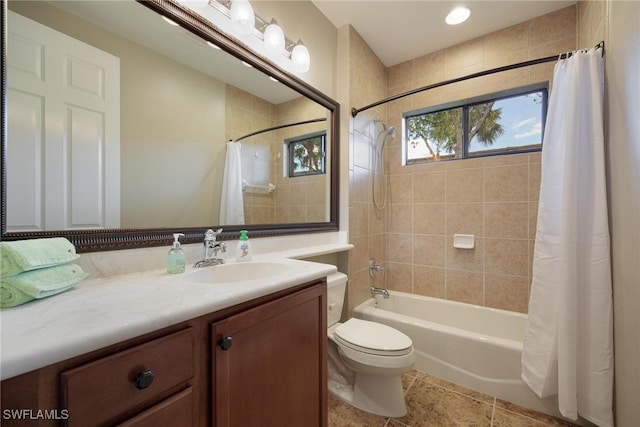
point(270, 363)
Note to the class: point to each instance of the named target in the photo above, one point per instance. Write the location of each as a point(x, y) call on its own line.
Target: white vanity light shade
point(300, 59)
point(242, 17)
point(274, 39)
point(458, 15)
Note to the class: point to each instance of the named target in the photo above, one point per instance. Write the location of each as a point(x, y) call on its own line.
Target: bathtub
point(476, 347)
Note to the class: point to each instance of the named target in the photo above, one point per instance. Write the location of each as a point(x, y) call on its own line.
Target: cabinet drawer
point(127, 382)
point(176, 411)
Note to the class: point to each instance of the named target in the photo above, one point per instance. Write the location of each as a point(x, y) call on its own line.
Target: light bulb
point(242, 17)
point(300, 58)
point(273, 39)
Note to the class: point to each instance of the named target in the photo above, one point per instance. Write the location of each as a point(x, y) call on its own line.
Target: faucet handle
point(210, 235)
point(375, 267)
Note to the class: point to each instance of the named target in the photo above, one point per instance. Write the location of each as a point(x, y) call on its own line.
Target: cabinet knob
point(144, 379)
point(225, 343)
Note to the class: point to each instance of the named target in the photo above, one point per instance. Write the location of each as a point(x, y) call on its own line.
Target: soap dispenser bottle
point(175, 258)
point(244, 252)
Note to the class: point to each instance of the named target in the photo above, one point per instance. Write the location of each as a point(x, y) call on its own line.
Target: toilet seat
point(372, 338)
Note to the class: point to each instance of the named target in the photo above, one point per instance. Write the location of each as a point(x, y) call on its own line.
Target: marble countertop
point(101, 312)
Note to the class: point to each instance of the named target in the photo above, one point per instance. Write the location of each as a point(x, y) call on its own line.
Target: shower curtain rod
point(322, 119)
point(355, 111)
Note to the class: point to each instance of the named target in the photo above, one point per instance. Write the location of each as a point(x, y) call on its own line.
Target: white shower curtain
point(568, 343)
point(231, 201)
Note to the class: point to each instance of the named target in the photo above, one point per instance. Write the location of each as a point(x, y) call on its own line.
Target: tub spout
point(379, 291)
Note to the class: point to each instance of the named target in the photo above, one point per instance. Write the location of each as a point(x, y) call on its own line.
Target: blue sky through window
point(521, 119)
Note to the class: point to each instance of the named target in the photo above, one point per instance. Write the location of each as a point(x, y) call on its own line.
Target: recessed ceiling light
point(458, 15)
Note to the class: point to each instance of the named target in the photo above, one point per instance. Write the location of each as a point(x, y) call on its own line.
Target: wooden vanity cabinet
point(262, 362)
point(270, 364)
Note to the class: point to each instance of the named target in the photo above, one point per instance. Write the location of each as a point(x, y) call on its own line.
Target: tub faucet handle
point(374, 268)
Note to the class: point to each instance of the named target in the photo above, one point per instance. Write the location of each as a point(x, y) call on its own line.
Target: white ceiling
point(398, 30)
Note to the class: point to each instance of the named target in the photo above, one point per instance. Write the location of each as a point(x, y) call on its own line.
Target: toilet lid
point(372, 337)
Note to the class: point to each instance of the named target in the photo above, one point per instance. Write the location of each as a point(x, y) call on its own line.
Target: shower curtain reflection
point(231, 203)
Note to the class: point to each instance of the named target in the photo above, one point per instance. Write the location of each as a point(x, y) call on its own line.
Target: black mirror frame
point(93, 240)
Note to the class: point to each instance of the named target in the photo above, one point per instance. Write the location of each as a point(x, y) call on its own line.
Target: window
point(500, 123)
point(306, 154)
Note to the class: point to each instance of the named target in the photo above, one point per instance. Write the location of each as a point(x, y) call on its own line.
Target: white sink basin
point(237, 272)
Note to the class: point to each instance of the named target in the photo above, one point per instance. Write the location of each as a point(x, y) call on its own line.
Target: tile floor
point(432, 402)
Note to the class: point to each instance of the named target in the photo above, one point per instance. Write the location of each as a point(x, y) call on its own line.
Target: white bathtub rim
point(503, 342)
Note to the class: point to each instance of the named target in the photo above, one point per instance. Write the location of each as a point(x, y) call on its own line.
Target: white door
point(63, 144)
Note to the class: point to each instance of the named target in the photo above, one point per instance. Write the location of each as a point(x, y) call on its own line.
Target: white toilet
point(366, 359)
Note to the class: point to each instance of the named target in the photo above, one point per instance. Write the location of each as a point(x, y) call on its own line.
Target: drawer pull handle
point(144, 379)
point(225, 343)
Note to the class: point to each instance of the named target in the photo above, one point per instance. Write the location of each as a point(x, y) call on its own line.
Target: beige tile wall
point(246, 113)
point(592, 21)
point(493, 198)
point(367, 225)
point(302, 199)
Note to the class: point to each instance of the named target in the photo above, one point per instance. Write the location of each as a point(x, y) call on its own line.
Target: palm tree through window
point(507, 122)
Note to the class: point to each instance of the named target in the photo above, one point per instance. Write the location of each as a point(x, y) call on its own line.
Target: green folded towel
point(10, 296)
point(40, 283)
point(25, 255)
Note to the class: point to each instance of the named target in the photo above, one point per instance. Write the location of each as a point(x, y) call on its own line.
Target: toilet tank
point(336, 287)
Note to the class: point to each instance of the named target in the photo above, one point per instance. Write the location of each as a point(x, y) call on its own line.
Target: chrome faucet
point(379, 291)
point(211, 249)
point(374, 268)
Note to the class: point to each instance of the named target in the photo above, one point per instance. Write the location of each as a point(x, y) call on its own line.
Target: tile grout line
point(493, 410)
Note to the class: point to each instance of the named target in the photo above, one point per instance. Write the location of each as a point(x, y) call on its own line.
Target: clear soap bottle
point(244, 252)
point(175, 257)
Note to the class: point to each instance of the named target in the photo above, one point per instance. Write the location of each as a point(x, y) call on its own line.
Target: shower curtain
point(568, 343)
point(231, 203)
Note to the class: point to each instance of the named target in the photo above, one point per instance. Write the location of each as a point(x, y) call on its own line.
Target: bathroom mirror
point(181, 93)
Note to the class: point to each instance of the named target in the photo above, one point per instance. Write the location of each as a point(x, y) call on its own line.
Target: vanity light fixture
point(300, 59)
point(242, 17)
point(245, 22)
point(273, 39)
point(458, 15)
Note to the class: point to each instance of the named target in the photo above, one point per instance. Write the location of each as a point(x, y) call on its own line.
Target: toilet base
point(374, 389)
point(380, 395)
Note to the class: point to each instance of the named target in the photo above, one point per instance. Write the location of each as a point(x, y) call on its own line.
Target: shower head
point(387, 130)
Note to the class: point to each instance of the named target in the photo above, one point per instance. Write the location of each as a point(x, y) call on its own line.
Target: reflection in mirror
point(132, 134)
